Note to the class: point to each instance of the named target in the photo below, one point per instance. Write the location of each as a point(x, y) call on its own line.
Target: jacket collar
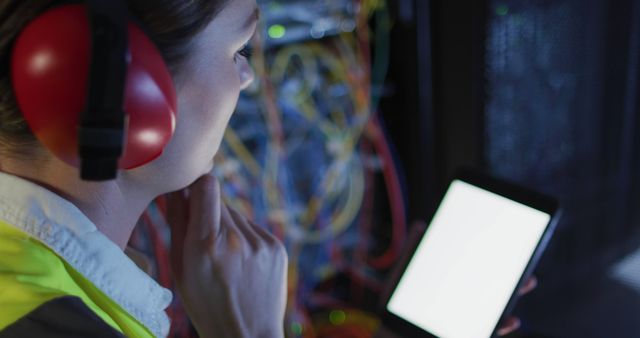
point(61, 226)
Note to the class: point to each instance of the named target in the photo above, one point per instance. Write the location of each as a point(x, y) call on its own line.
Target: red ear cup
point(50, 68)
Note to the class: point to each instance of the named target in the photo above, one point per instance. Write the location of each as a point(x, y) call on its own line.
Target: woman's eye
point(246, 51)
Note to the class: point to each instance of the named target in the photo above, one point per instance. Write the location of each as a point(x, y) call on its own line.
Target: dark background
point(543, 93)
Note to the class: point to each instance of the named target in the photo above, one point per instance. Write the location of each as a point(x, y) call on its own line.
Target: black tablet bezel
point(503, 188)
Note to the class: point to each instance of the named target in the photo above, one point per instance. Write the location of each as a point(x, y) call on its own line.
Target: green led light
point(502, 10)
point(296, 328)
point(337, 317)
point(277, 31)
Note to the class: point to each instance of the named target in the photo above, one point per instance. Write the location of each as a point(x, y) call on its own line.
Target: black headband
point(102, 122)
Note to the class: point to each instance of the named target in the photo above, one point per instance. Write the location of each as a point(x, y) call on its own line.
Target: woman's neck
point(113, 206)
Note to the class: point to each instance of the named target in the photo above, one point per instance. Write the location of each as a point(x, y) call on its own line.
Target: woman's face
point(211, 81)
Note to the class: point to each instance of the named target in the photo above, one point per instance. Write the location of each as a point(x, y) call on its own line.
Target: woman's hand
point(513, 323)
point(231, 274)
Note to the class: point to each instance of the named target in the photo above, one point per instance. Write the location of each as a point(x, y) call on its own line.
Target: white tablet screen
point(468, 263)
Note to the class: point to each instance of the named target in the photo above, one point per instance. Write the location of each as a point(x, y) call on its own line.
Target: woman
point(63, 271)
point(202, 42)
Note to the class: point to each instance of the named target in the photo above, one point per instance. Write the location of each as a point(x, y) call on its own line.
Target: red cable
point(176, 312)
point(396, 200)
point(364, 223)
point(161, 203)
point(162, 263)
point(159, 250)
point(390, 172)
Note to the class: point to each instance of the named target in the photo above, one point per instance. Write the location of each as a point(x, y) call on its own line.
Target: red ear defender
point(50, 74)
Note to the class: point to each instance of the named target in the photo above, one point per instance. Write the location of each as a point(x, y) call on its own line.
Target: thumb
point(204, 209)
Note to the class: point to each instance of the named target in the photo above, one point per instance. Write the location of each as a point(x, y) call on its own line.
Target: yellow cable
point(238, 147)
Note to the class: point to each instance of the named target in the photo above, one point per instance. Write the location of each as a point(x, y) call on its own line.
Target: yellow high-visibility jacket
point(59, 274)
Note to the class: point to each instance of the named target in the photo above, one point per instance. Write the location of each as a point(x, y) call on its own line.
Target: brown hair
point(171, 24)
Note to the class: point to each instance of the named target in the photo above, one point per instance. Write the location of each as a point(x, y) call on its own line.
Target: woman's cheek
point(220, 103)
point(230, 86)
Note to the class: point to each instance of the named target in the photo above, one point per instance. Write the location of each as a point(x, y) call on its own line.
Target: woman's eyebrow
point(255, 15)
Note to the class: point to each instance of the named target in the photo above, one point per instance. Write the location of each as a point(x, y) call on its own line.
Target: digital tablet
point(480, 247)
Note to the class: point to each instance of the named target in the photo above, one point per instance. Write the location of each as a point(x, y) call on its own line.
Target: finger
point(510, 325)
point(264, 233)
point(177, 220)
point(268, 237)
point(235, 237)
point(245, 227)
point(531, 284)
point(204, 210)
